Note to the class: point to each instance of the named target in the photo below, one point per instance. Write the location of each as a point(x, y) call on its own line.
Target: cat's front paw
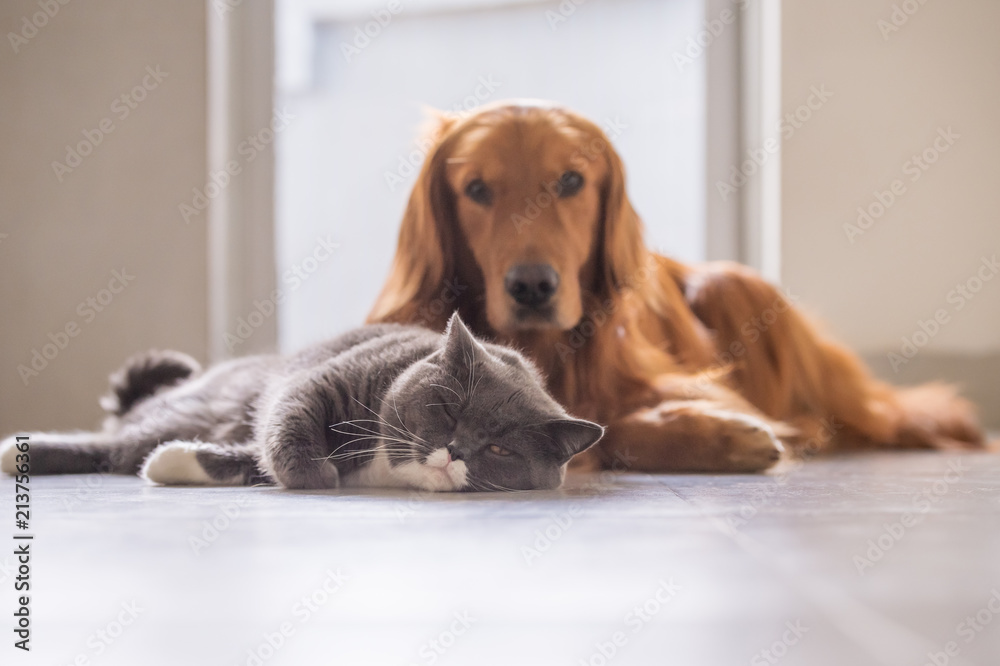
point(321, 476)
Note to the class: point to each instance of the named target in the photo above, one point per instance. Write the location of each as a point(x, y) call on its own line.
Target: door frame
point(743, 100)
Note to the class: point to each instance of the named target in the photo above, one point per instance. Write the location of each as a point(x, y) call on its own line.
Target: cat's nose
point(453, 452)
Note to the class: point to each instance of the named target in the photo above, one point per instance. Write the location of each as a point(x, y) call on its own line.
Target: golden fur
point(692, 367)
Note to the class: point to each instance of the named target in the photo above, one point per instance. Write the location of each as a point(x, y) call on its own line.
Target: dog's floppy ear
point(423, 253)
point(623, 251)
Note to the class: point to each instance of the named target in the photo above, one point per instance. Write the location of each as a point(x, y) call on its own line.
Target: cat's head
point(476, 416)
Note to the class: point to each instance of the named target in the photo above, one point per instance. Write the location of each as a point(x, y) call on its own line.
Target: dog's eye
point(479, 192)
point(499, 450)
point(569, 183)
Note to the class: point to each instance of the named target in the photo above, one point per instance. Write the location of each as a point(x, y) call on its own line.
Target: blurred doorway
point(354, 75)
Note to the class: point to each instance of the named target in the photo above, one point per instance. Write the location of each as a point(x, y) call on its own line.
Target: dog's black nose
point(531, 284)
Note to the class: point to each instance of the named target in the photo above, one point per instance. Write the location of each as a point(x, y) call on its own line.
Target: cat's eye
point(499, 450)
point(569, 183)
point(479, 192)
point(449, 410)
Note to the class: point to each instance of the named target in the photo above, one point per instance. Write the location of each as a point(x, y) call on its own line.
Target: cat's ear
point(573, 436)
point(460, 347)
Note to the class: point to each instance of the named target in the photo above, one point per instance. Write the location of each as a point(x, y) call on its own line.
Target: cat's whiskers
point(396, 409)
point(390, 452)
point(488, 485)
point(478, 382)
point(381, 420)
point(448, 388)
point(401, 423)
point(361, 428)
point(400, 448)
point(359, 454)
point(472, 372)
point(380, 437)
point(366, 429)
point(422, 445)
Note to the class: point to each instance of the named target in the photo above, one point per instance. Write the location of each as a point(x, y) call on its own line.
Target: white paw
point(8, 455)
point(175, 464)
point(438, 474)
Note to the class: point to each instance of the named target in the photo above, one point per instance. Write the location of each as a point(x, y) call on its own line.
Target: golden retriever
point(520, 220)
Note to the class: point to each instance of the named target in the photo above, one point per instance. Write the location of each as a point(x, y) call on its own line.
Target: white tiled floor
point(532, 578)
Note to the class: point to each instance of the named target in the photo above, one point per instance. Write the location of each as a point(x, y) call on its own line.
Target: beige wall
point(117, 210)
point(60, 241)
point(941, 69)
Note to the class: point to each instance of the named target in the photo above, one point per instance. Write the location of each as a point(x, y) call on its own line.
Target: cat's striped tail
point(144, 375)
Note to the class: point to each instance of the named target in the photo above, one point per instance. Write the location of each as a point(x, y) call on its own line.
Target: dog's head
point(531, 198)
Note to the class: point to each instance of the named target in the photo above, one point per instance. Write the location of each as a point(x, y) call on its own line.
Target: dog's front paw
point(748, 443)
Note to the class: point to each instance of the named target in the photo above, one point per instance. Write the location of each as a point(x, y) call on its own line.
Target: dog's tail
point(934, 416)
point(789, 370)
point(144, 375)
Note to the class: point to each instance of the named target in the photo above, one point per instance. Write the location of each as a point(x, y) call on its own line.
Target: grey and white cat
point(384, 405)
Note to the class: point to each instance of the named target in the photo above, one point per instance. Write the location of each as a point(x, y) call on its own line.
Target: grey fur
point(143, 375)
point(311, 419)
